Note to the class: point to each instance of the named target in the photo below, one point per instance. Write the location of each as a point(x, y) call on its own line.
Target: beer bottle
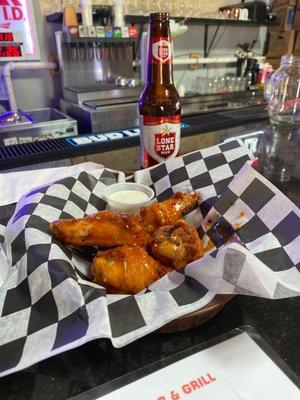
point(159, 106)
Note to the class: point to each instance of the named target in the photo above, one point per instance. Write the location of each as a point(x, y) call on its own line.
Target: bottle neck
point(160, 57)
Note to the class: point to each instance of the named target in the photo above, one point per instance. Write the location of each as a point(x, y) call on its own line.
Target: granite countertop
point(98, 362)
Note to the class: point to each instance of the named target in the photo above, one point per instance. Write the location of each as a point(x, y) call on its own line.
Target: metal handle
point(66, 51)
point(90, 51)
point(74, 52)
point(98, 51)
point(82, 52)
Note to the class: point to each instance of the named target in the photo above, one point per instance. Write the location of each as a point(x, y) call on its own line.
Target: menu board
point(17, 22)
point(234, 369)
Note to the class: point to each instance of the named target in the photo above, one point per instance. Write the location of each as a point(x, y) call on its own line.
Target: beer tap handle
point(131, 45)
point(98, 51)
point(104, 51)
point(109, 54)
point(115, 52)
point(82, 52)
point(74, 52)
point(66, 51)
point(111, 47)
point(124, 47)
point(77, 47)
point(90, 51)
point(121, 51)
point(101, 51)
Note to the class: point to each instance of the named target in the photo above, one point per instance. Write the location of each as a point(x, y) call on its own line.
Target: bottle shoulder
point(164, 90)
point(160, 100)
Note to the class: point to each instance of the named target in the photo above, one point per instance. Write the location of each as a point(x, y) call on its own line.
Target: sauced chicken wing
point(169, 211)
point(110, 229)
point(176, 245)
point(126, 269)
point(105, 228)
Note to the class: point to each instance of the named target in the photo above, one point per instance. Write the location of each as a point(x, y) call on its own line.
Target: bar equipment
point(96, 73)
point(35, 125)
point(19, 126)
point(101, 89)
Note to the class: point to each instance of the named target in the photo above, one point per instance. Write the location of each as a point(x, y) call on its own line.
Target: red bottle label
point(160, 139)
point(162, 50)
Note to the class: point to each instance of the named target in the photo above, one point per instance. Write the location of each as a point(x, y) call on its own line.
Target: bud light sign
point(18, 16)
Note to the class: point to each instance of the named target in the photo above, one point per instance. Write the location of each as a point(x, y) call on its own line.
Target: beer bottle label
point(160, 139)
point(162, 50)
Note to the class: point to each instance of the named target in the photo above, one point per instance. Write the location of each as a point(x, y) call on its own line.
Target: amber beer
point(159, 106)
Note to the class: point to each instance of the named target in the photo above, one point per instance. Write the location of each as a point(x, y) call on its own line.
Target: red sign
point(164, 143)
point(6, 37)
point(10, 51)
point(17, 17)
point(11, 10)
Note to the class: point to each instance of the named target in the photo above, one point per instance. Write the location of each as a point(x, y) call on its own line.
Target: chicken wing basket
point(48, 302)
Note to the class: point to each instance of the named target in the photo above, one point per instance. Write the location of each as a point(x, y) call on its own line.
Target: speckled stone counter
point(95, 363)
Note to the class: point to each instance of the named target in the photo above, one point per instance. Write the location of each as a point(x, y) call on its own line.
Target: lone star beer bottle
point(159, 107)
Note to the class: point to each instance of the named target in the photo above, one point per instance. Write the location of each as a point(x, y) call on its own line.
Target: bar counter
point(98, 362)
point(119, 148)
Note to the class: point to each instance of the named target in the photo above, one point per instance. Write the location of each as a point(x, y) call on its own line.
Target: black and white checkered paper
point(48, 303)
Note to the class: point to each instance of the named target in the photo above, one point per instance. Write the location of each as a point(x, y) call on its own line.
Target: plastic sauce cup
point(128, 197)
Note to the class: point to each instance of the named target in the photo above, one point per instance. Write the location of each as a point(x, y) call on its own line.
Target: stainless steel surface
point(100, 115)
point(99, 92)
point(96, 104)
point(91, 64)
point(12, 118)
point(48, 123)
point(103, 118)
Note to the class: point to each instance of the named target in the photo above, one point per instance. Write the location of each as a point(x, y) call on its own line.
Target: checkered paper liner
point(48, 303)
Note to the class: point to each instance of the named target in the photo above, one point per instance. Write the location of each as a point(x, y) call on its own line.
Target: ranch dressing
point(129, 196)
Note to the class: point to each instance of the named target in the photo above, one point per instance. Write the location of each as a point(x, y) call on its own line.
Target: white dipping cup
point(126, 206)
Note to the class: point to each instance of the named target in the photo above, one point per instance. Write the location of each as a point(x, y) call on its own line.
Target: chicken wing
point(169, 211)
point(126, 269)
point(105, 228)
point(176, 245)
point(110, 229)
